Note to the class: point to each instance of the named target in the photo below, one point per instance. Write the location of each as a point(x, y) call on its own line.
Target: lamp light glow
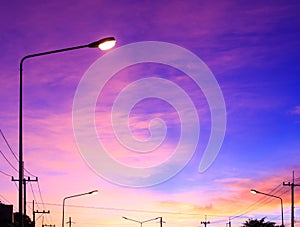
point(95, 192)
point(104, 44)
point(107, 45)
point(253, 191)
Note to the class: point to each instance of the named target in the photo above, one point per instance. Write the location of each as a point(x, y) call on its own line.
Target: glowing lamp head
point(104, 44)
point(95, 192)
point(253, 191)
point(107, 45)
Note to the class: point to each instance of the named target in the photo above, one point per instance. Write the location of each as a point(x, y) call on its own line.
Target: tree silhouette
point(26, 219)
point(258, 223)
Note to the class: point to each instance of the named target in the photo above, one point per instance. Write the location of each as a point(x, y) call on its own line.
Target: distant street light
point(68, 197)
point(103, 44)
point(141, 222)
point(253, 191)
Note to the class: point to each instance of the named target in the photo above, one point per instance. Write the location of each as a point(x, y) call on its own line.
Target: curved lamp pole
point(68, 197)
point(253, 191)
point(141, 222)
point(103, 44)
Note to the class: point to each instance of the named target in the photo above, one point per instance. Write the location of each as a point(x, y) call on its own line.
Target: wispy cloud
point(296, 110)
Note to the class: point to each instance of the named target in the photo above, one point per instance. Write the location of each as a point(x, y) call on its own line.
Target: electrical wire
point(26, 170)
point(16, 185)
point(259, 203)
point(33, 194)
point(13, 153)
point(8, 145)
point(277, 191)
point(40, 193)
point(6, 174)
point(6, 200)
point(12, 166)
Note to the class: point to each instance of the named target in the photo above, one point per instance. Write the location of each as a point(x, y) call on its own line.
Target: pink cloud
point(296, 110)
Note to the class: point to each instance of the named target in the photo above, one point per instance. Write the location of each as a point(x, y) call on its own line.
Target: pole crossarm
point(42, 212)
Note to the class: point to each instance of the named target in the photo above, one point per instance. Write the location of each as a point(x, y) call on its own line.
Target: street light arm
point(152, 219)
point(281, 203)
point(68, 197)
point(90, 45)
point(81, 194)
point(258, 192)
point(52, 52)
point(129, 219)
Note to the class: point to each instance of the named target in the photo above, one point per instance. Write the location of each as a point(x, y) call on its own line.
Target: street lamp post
point(103, 44)
point(253, 191)
point(68, 197)
point(141, 222)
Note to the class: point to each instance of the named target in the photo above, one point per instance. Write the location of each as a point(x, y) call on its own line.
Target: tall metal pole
point(21, 174)
point(21, 164)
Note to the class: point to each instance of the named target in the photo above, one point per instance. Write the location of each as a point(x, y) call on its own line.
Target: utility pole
point(161, 221)
point(24, 189)
point(292, 185)
point(70, 222)
point(37, 212)
point(205, 222)
point(229, 223)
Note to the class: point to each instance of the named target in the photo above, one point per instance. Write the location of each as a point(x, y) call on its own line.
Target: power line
point(6, 174)
point(128, 210)
point(12, 166)
point(279, 189)
point(11, 150)
point(8, 145)
point(40, 193)
point(6, 200)
point(259, 203)
point(13, 153)
point(33, 194)
point(16, 186)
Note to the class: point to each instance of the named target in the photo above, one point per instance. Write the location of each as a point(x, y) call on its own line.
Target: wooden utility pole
point(292, 185)
point(205, 222)
point(37, 212)
point(70, 222)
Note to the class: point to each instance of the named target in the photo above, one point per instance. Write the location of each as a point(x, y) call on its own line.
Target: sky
point(196, 104)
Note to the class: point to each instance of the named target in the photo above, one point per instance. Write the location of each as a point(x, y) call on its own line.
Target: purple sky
point(252, 49)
